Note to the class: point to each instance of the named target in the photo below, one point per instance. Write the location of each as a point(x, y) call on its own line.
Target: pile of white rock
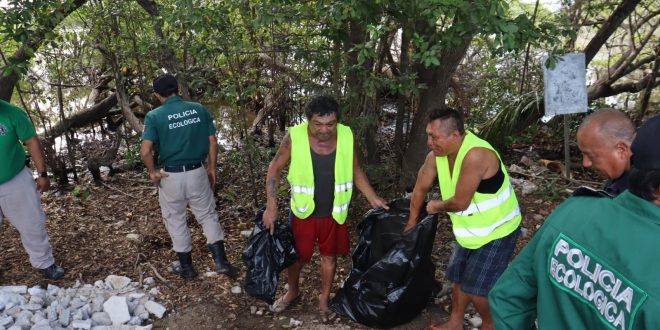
point(114, 304)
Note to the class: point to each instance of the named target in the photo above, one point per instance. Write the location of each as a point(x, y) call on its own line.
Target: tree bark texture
point(167, 57)
point(83, 118)
point(122, 96)
point(613, 22)
point(402, 98)
point(437, 80)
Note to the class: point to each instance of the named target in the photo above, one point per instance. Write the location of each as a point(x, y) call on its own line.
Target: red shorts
point(332, 237)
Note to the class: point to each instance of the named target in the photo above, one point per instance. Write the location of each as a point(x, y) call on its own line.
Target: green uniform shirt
point(15, 126)
point(181, 130)
point(592, 265)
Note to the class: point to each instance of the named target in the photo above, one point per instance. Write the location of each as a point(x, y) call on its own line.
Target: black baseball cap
point(646, 146)
point(165, 85)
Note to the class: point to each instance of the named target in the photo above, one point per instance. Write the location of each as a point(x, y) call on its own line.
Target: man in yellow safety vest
point(322, 168)
point(480, 201)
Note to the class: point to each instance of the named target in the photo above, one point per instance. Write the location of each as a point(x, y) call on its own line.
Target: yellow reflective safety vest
point(489, 216)
point(301, 173)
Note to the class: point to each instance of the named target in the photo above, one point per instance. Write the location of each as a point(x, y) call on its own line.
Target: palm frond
point(513, 119)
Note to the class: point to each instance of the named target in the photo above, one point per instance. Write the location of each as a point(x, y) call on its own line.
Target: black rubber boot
point(186, 271)
point(54, 272)
point(222, 265)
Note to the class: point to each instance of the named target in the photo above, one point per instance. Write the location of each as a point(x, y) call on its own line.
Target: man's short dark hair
point(455, 122)
point(166, 85)
point(644, 183)
point(322, 105)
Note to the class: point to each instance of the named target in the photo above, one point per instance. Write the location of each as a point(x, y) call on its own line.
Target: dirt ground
point(88, 226)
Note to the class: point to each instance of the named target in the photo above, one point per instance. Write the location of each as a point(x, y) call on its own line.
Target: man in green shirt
point(185, 136)
point(19, 195)
point(591, 264)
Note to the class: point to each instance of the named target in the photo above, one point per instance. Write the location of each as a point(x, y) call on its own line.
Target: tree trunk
point(96, 91)
point(27, 50)
point(355, 78)
point(7, 84)
point(646, 93)
point(68, 135)
point(289, 72)
point(437, 80)
point(125, 106)
point(167, 57)
point(399, 143)
point(613, 22)
point(122, 96)
point(360, 105)
point(83, 118)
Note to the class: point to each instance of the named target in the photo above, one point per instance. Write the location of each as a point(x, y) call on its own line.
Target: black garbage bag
point(265, 256)
point(393, 276)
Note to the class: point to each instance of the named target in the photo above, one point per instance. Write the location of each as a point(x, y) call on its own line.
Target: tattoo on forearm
point(286, 141)
point(272, 187)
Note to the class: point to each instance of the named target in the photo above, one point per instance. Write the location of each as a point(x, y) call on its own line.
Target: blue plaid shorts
point(478, 270)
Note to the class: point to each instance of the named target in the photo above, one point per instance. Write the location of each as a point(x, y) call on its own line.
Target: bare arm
point(146, 153)
point(281, 160)
point(37, 153)
point(425, 177)
point(478, 164)
point(362, 183)
point(212, 160)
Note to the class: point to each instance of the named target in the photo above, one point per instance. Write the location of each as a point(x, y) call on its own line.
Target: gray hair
point(611, 124)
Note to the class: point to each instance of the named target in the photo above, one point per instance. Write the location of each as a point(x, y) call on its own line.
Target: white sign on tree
point(565, 86)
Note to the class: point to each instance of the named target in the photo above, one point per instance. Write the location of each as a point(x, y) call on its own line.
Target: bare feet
point(327, 316)
point(323, 302)
point(449, 325)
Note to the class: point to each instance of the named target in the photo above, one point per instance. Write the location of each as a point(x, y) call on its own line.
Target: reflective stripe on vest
point(303, 190)
point(489, 204)
point(301, 173)
point(485, 231)
point(489, 216)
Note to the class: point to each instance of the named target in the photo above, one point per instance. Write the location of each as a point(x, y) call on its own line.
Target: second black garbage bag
point(265, 256)
point(392, 276)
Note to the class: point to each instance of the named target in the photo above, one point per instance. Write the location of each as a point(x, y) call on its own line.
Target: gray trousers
point(21, 204)
point(191, 188)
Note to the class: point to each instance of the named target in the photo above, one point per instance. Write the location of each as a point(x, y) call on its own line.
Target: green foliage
point(132, 153)
point(80, 192)
point(326, 46)
point(20, 20)
point(15, 67)
point(521, 112)
point(23, 22)
point(553, 190)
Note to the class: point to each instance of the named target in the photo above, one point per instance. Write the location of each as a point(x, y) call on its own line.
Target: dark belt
point(182, 168)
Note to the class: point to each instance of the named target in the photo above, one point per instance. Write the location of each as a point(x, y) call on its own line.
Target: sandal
point(280, 305)
point(327, 316)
